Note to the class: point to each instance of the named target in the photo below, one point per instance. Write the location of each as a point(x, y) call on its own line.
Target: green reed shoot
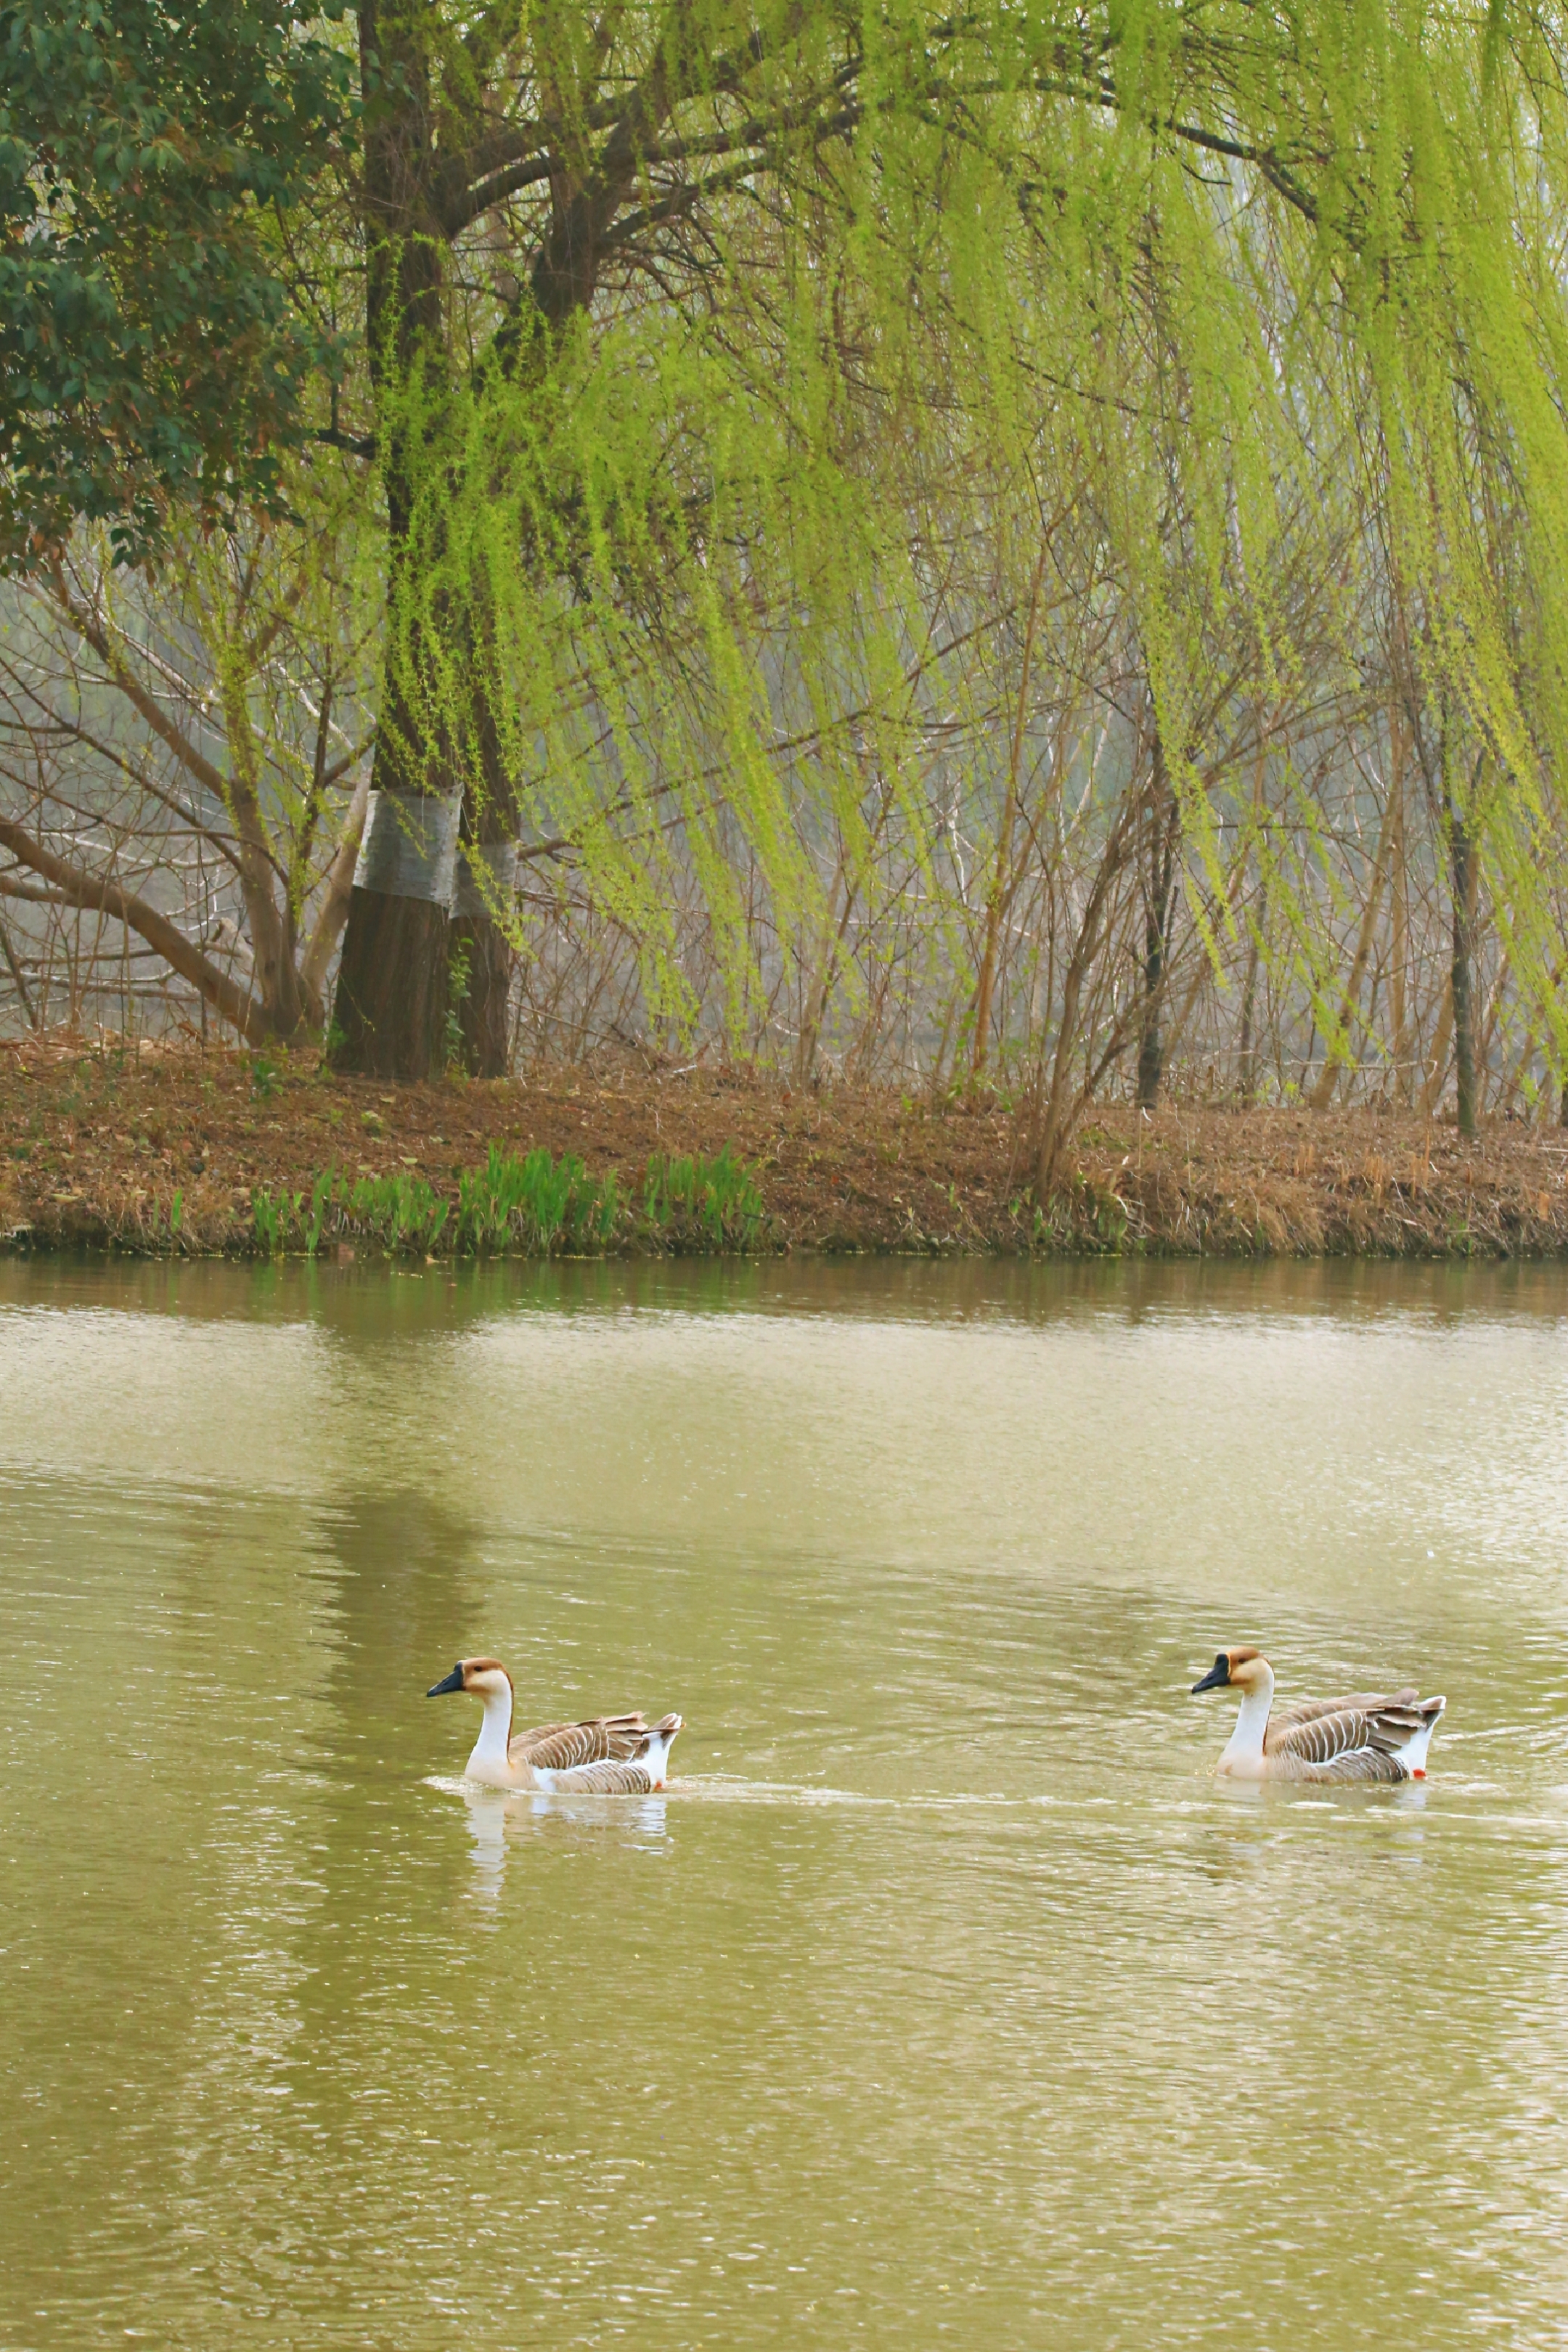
point(696, 1201)
point(529, 1205)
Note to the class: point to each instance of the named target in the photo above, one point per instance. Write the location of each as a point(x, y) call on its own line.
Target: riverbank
point(204, 1151)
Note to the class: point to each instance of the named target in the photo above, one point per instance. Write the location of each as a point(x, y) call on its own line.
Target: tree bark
point(1323, 1092)
point(1163, 827)
point(1461, 852)
point(391, 1004)
point(390, 1011)
point(272, 937)
point(334, 911)
point(481, 951)
point(1247, 1046)
point(479, 948)
point(1001, 886)
point(1404, 1073)
point(1058, 1104)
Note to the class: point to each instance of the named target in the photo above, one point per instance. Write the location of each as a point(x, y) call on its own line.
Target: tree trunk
point(481, 957)
point(1323, 1092)
point(334, 911)
point(1001, 890)
point(14, 969)
point(1151, 1051)
point(275, 971)
point(1404, 1068)
point(1164, 824)
point(1057, 1106)
point(390, 1012)
point(1247, 1048)
point(391, 1004)
point(1462, 859)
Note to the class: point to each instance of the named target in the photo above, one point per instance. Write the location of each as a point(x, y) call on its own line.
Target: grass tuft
point(532, 1206)
point(701, 1203)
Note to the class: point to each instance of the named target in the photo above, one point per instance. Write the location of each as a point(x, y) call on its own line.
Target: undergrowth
point(703, 1204)
point(536, 1206)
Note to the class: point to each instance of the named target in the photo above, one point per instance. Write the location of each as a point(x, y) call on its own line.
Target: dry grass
point(98, 1141)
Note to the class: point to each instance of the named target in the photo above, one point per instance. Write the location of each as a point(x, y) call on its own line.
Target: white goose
point(613, 1756)
point(1367, 1737)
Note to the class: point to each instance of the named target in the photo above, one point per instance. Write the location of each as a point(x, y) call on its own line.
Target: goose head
point(1245, 1670)
point(485, 1678)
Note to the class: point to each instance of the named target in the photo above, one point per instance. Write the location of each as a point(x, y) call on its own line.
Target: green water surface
point(945, 1996)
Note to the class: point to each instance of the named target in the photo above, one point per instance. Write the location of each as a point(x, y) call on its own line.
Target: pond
point(945, 1993)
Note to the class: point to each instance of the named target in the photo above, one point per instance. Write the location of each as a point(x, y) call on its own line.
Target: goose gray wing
point(1354, 1739)
point(609, 1780)
point(617, 1756)
point(567, 1747)
point(1308, 1710)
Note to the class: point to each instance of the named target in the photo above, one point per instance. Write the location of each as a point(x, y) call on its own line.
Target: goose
point(612, 1756)
point(1367, 1737)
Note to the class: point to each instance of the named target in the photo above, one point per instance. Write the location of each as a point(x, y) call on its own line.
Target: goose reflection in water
point(494, 1817)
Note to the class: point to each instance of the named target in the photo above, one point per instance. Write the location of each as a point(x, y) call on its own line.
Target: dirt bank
point(172, 1148)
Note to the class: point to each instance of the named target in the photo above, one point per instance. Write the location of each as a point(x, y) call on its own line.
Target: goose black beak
point(1217, 1677)
point(452, 1682)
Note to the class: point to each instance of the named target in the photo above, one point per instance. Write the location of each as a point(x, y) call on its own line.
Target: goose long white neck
point(490, 1748)
point(1245, 1744)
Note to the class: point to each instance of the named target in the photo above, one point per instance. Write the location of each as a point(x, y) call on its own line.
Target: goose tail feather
point(1411, 1749)
point(653, 1750)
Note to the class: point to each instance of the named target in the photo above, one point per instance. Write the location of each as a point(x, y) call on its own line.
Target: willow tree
point(1375, 237)
point(575, 224)
point(660, 299)
point(533, 183)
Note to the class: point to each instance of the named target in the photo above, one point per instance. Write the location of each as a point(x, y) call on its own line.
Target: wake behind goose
point(1369, 1736)
point(609, 1756)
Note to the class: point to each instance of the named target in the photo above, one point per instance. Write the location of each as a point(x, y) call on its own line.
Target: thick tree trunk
point(481, 956)
point(391, 1004)
point(394, 995)
point(390, 1012)
point(481, 952)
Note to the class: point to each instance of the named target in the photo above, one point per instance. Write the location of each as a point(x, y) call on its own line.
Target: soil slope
point(97, 1140)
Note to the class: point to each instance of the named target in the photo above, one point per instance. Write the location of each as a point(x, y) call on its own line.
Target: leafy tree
point(150, 355)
